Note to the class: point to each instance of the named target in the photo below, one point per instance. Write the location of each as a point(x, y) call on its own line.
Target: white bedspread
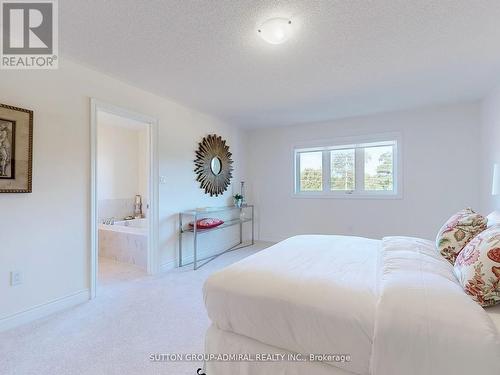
point(218, 341)
point(425, 323)
point(394, 305)
point(307, 294)
point(494, 314)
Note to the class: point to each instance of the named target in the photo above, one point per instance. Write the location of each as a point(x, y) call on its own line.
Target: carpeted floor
point(134, 316)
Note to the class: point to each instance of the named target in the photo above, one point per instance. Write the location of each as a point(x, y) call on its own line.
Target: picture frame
point(16, 149)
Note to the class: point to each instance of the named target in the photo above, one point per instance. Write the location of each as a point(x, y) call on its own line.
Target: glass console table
point(197, 214)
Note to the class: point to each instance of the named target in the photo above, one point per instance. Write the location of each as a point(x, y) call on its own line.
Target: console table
point(201, 213)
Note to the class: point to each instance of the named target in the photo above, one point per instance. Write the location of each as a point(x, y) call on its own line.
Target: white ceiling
point(346, 58)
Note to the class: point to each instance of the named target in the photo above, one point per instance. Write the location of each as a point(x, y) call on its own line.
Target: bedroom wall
point(45, 235)
point(440, 150)
point(490, 149)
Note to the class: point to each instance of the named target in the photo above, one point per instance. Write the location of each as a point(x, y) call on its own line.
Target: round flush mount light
point(276, 30)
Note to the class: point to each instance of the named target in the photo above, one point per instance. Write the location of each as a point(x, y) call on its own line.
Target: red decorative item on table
point(207, 223)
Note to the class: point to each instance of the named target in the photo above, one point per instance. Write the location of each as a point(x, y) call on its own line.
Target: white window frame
point(358, 143)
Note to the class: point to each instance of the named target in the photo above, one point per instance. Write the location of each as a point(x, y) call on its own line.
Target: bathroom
point(122, 195)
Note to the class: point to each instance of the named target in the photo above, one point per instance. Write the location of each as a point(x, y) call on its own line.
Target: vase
point(238, 202)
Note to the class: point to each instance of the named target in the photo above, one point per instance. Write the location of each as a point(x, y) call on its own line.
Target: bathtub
point(125, 241)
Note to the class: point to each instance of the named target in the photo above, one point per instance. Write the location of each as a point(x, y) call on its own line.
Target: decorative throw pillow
point(478, 267)
point(457, 232)
point(207, 223)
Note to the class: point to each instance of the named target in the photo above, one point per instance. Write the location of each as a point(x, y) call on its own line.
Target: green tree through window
point(342, 164)
point(380, 177)
point(311, 180)
point(311, 171)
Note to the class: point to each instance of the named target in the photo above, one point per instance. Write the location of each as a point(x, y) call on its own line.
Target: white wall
point(120, 173)
point(490, 149)
point(440, 172)
point(45, 235)
point(143, 154)
point(122, 166)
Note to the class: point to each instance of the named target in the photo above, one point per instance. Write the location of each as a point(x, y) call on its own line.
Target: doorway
point(124, 193)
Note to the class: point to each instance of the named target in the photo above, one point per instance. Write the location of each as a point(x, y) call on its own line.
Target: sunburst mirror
point(213, 165)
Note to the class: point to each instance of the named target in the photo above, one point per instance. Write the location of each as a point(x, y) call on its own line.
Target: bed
point(360, 306)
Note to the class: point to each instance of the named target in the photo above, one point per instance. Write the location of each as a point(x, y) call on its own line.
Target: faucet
point(138, 207)
point(109, 221)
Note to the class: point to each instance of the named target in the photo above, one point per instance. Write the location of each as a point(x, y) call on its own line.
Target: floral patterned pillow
point(478, 267)
point(458, 231)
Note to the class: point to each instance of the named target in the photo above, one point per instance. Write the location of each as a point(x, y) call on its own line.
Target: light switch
point(15, 278)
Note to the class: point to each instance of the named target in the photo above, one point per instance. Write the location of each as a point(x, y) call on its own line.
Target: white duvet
point(425, 323)
point(394, 306)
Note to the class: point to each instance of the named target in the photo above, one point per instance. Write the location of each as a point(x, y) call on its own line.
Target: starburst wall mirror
point(213, 165)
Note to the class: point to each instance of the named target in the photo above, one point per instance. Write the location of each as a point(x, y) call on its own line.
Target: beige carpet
point(134, 315)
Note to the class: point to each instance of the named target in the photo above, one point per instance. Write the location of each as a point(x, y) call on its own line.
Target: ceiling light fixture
point(276, 30)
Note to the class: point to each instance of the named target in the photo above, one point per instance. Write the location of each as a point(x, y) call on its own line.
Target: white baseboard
point(44, 309)
point(170, 265)
point(187, 260)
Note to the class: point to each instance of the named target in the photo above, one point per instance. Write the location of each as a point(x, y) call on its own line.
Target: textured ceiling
point(346, 58)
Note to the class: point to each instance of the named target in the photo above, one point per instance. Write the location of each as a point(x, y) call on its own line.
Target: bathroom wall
point(143, 152)
point(122, 166)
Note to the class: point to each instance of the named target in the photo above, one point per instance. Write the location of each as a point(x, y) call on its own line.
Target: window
point(379, 168)
point(342, 169)
point(311, 171)
point(364, 169)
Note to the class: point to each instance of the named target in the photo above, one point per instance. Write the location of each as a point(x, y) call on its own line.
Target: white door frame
point(96, 106)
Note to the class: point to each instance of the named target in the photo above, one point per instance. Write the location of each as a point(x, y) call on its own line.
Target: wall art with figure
point(16, 149)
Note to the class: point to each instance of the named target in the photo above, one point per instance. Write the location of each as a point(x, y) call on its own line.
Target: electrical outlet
point(15, 278)
point(163, 180)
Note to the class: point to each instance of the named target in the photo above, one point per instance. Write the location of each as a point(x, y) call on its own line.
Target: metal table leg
point(241, 227)
point(253, 238)
point(195, 245)
point(180, 239)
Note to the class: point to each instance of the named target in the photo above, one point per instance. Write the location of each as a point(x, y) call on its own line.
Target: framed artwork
point(16, 149)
